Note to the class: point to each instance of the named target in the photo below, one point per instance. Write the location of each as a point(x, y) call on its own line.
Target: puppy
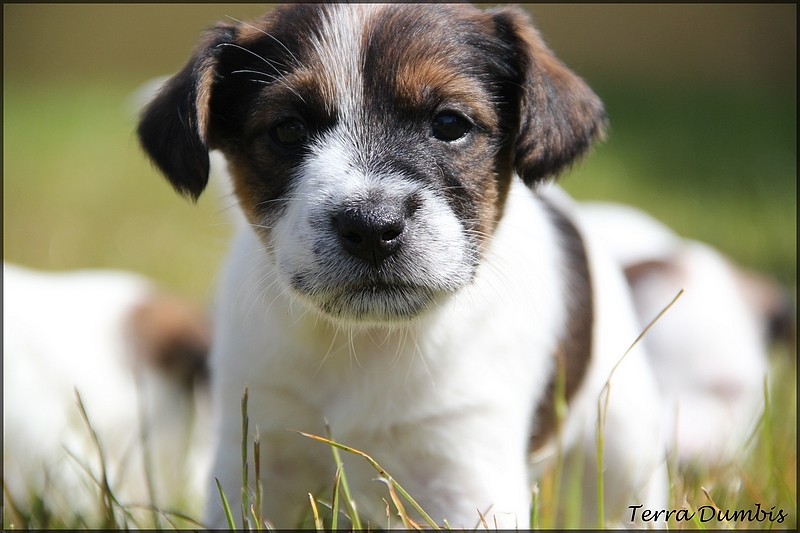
point(407, 275)
point(710, 351)
point(136, 356)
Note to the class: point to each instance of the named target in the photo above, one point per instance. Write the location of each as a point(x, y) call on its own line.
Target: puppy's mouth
point(377, 255)
point(371, 302)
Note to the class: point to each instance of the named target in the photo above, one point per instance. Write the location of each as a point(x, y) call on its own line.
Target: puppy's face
point(371, 147)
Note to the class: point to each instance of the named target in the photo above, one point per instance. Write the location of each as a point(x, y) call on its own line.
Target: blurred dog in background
point(137, 356)
point(710, 351)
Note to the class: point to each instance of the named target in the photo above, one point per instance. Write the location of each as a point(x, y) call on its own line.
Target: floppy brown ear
point(560, 116)
point(173, 127)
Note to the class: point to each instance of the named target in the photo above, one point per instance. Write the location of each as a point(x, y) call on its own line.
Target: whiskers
point(416, 354)
point(258, 288)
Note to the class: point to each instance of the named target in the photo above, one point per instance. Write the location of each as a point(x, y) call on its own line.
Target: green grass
point(716, 165)
point(763, 474)
point(78, 192)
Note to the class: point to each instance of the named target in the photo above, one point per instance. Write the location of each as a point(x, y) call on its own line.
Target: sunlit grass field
point(717, 166)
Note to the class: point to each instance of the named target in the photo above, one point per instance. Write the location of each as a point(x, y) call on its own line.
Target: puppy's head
point(371, 147)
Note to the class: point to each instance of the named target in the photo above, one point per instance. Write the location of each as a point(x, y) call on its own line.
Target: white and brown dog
point(408, 276)
point(709, 353)
point(137, 357)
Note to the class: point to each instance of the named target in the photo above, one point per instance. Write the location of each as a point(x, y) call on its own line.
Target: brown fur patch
point(172, 336)
point(202, 101)
point(637, 272)
point(771, 303)
point(574, 351)
point(420, 82)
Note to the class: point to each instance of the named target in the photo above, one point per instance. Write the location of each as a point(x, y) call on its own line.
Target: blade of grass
point(573, 509)
point(259, 505)
point(560, 408)
point(105, 487)
point(315, 512)
point(245, 482)
point(408, 523)
point(600, 465)
point(535, 507)
point(144, 438)
point(351, 504)
point(636, 342)
point(381, 472)
point(602, 411)
point(87, 469)
point(170, 515)
point(696, 522)
point(716, 508)
point(254, 517)
point(767, 429)
point(388, 513)
point(482, 520)
point(335, 500)
point(225, 506)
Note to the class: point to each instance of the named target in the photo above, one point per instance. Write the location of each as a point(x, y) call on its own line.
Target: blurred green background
point(702, 100)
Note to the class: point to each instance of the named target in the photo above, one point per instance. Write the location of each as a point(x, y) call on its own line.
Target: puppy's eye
point(449, 126)
point(290, 133)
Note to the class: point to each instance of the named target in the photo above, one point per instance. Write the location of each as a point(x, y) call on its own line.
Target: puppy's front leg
point(458, 485)
point(226, 475)
point(290, 466)
point(461, 471)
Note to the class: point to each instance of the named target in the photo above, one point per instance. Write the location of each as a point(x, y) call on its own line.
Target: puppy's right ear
point(173, 128)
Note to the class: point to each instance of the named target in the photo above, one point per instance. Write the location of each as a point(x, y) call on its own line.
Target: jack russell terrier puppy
point(137, 357)
point(709, 353)
point(408, 277)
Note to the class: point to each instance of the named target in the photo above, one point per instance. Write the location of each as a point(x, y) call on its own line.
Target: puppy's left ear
point(560, 116)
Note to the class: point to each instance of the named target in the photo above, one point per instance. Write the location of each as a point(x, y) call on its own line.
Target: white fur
point(330, 178)
point(709, 351)
point(68, 332)
point(452, 393)
point(338, 46)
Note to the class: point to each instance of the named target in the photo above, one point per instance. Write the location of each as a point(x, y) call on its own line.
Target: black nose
point(371, 234)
